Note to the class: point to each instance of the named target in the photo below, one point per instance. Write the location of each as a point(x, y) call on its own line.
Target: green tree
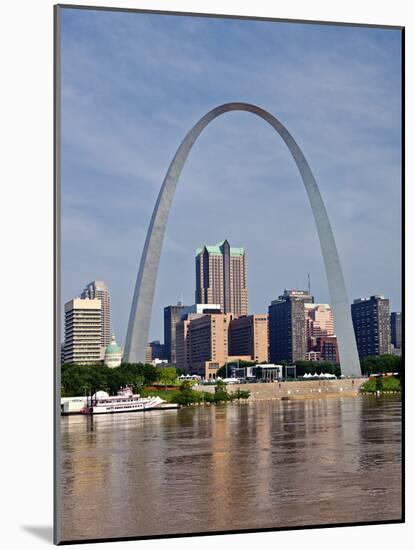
point(375, 364)
point(167, 375)
point(186, 395)
point(239, 394)
point(76, 379)
point(220, 391)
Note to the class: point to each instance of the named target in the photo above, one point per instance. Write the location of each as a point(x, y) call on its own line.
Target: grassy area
point(382, 384)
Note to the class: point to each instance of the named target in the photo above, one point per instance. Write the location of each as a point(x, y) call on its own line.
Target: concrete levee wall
point(307, 389)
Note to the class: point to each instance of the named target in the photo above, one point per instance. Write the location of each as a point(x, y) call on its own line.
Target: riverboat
point(124, 401)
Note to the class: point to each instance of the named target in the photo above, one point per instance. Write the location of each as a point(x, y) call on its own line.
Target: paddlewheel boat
point(124, 401)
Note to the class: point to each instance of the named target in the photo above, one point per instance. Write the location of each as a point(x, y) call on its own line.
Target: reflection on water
point(246, 466)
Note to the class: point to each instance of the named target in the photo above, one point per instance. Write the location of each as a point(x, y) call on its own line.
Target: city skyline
point(317, 318)
point(122, 186)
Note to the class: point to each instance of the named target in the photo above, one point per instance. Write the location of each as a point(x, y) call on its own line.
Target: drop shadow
point(44, 532)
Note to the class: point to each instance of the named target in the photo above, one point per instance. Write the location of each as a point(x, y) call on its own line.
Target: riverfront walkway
point(307, 389)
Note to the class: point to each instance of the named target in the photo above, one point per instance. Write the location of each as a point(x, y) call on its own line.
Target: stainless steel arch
point(140, 315)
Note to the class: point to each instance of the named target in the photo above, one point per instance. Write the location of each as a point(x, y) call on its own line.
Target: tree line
point(373, 364)
point(85, 379)
point(369, 365)
point(379, 364)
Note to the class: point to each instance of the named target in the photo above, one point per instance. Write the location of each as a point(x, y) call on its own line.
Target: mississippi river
point(239, 466)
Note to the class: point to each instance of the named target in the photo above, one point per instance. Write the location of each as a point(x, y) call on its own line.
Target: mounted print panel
point(229, 316)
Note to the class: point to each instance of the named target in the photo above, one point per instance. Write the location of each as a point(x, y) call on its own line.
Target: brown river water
point(255, 465)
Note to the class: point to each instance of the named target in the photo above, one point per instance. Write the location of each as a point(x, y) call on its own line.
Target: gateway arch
point(141, 307)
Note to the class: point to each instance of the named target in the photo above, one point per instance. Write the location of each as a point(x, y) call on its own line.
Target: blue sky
point(133, 85)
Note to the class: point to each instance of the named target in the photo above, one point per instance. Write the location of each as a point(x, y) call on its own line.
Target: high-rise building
point(221, 277)
point(371, 322)
point(200, 309)
point(319, 327)
point(248, 335)
point(83, 331)
point(99, 290)
point(328, 349)
point(172, 315)
point(318, 322)
point(208, 344)
point(149, 353)
point(396, 329)
point(182, 341)
point(287, 331)
point(156, 350)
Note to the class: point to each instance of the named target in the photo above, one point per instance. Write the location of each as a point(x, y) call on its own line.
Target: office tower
point(99, 290)
point(328, 349)
point(157, 350)
point(182, 340)
point(396, 329)
point(248, 335)
point(371, 322)
point(286, 321)
point(182, 343)
point(182, 349)
point(221, 277)
point(200, 309)
point(172, 316)
point(208, 344)
point(318, 322)
point(149, 354)
point(83, 331)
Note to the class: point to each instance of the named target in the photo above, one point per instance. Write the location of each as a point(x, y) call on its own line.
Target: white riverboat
point(124, 401)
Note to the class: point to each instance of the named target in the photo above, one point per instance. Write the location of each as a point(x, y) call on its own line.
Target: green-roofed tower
point(221, 277)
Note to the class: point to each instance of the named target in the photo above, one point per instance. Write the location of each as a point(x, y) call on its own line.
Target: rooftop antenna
point(309, 284)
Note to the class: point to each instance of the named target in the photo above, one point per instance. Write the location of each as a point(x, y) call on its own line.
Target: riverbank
point(381, 385)
point(307, 389)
